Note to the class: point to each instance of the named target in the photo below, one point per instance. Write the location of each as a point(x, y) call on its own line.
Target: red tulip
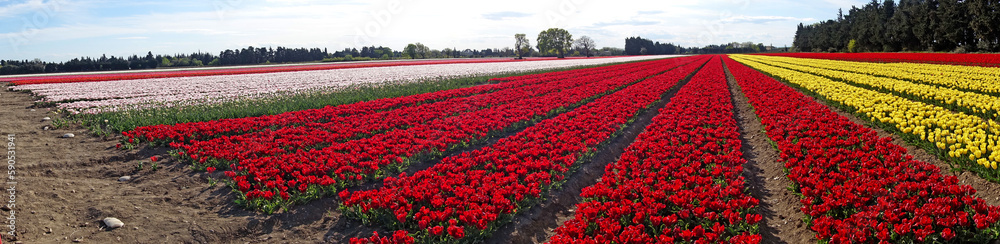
point(846, 170)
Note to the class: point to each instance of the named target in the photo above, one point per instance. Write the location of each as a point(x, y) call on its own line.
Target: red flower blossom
point(479, 189)
point(685, 145)
point(857, 186)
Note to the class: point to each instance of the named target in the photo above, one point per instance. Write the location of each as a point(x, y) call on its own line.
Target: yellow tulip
point(957, 133)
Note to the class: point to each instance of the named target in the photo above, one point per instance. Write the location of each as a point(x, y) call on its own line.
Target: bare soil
point(538, 224)
point(66, 186)
point(766, 178)
point(768, 182)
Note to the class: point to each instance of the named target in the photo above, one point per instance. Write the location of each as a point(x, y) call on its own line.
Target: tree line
point(553, 42)
point(910, 25)
point(557, 42)
point(244, 56)
point(247, 56)
point(641, 46)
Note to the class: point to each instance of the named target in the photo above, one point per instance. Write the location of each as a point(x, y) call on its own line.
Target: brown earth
point(70, 184)
point(66, 186)
point(769, 184)
point(782, 222)
point(538, 224)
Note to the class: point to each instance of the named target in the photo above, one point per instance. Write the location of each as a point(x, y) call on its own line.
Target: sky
point(58, 30)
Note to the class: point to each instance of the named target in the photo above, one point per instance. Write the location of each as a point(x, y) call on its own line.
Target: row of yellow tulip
point(967, 78)
point(959, 134)
point(975, 103)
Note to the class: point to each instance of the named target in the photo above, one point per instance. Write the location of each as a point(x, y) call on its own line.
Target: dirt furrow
point(537, 224)
point(66, 186)
point(782, 222)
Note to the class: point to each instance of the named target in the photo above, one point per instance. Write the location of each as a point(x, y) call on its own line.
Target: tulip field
point(133, 91)
point(694, 142)
point(517, 170)
point(402, 135)
point(189, 72)
point(455, 151)
point(856, 186)
point(951, 112)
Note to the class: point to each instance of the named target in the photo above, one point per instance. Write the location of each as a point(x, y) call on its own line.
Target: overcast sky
point(57, 30)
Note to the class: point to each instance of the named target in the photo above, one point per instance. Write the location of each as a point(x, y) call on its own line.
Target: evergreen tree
point(985, 23)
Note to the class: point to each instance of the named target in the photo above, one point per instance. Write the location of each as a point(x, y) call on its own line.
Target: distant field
point(123, 91)
point(231, 70)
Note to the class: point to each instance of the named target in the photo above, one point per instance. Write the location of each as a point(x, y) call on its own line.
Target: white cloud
point(439, 24)
point(505, 15)
point(763, 19)
point(846, 4)
point(16, 9)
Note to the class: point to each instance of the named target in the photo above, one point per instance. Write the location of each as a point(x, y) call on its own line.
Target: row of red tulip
point(678, 182)
point(466, 196)
point(989, 60)
point(398, 237)
point(306, 169)
point(338, 130)
point(321, 171)
point(216, 128)
point(857, 186)
point(207, 130)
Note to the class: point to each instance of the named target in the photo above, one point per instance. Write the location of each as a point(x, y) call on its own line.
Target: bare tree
point(521, 45)
point(585, 45)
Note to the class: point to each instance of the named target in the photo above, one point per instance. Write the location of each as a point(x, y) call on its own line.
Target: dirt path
point(766, 177)
point(70, 184)
point(538, 224)
point(66, 186)
point(769, 184)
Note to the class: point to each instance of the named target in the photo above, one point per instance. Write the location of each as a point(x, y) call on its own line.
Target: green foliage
point(641, 46)
point(554, 40)
point(347, 58)
point(852, 46)
point(984, 20)
point(912, 25)
point(417, 50)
